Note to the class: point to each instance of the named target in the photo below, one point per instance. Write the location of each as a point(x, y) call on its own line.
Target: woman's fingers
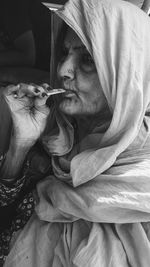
point(26, 97)
point(46, 86)
point(11, 90)
point(29, 90)
point(28, 110)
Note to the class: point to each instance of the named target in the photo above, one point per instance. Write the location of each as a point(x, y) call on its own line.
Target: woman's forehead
point(72, 40)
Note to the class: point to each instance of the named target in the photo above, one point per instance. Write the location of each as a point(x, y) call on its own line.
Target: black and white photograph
point(75, 133)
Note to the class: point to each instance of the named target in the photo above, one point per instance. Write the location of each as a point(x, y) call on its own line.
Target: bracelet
point(5, 181)
point(9, 192)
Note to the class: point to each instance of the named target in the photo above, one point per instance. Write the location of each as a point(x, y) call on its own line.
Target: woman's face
point(77, 74)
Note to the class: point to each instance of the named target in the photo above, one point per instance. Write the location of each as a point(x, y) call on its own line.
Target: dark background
point(60, 2)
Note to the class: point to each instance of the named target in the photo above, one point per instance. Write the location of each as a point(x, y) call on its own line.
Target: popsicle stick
point(56, 91)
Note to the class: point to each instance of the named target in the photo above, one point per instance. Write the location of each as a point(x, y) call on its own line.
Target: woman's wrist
point(21, 144)
point(15, 157)
point(18, 141)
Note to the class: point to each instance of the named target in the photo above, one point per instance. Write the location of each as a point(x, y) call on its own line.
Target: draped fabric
point(139, 3)
point(95, 209)
point(112, 33)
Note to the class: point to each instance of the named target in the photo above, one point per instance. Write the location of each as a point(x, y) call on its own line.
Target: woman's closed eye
point(64, 54)
point(84, 60)
point(87, 63)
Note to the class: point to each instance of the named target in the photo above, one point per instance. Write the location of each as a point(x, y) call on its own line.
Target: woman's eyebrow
point(76, 47)
point(81, 47)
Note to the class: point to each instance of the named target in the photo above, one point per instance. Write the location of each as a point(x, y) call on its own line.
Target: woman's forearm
point(14, 160)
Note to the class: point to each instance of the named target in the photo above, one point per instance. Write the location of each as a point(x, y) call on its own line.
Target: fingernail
point(36, 90)
point(44, 94)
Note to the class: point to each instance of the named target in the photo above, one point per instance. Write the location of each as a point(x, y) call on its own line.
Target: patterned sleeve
point(18, 199)
point(36, 167)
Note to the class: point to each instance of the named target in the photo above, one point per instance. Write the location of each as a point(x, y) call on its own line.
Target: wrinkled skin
point(77, 74)
point(28, 109)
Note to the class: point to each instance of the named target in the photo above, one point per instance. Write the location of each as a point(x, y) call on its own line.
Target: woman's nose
point(66, 70)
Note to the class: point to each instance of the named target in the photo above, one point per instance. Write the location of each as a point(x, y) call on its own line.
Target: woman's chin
point(69, 106)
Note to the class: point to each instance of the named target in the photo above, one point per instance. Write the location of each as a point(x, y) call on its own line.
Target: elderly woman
point(93, 151)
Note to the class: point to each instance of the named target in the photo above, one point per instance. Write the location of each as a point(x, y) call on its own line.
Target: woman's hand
point(29, 112)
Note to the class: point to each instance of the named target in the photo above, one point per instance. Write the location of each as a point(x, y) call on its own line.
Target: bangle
point(9, 192)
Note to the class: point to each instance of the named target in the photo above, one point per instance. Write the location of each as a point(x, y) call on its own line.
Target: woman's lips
point(70, 93)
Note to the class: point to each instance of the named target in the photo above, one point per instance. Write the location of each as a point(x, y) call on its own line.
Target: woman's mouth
point(70, 93)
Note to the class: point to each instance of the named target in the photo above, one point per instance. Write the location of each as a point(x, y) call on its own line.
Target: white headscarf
point(116, 33)
point(138, 3)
